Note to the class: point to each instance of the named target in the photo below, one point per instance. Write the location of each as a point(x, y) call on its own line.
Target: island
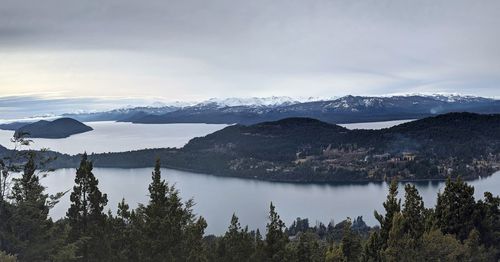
point(59, 128)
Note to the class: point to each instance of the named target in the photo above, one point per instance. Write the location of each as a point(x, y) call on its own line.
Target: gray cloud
point(198, 49)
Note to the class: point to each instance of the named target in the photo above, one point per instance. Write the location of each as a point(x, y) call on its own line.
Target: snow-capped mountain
point(159, 104)
point(251, 101)
point(446, 97)
point(346, 109)
point(121, 114)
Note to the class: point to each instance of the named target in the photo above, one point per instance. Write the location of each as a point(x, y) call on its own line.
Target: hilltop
point(59, 128)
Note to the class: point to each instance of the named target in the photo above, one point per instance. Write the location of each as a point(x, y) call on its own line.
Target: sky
point(123, 51)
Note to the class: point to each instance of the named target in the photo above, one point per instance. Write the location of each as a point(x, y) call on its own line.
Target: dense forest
point(308, 150)
point(458, 228)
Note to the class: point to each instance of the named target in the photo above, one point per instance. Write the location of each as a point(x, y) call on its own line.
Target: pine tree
point(488, 214)
point(85, 215)
point(123, 245)
point(401, 245)
point(157, 190)
point(413, 212)
point(455, 209)
point(371, 248)
point(304, 248)
point(167, 229)
point(350, 245)
point(392, 206)
point(276, 239)
point(259, 250)
point(29, 223)
point(237, 242)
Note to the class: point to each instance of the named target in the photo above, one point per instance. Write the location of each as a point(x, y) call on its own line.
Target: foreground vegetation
point(458, 228)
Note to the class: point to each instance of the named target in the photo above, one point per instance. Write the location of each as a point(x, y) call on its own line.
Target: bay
point(217, 198)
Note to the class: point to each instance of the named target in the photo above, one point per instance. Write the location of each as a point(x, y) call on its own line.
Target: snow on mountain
point(252, 101)
point(445, 97)
point(315, 99)
point(289, 106)
point(452, 98)
point(158, 104)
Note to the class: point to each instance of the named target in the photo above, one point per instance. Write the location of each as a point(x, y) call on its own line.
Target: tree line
point(458, 228)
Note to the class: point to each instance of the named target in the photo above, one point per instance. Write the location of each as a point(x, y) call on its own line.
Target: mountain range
point(347, 109)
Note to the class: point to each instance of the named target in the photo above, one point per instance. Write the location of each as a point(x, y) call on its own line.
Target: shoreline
point(339, 182)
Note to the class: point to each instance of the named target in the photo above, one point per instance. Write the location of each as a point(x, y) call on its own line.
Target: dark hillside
point(59, 128)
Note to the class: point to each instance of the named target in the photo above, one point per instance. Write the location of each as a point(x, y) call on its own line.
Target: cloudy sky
point(193, 50)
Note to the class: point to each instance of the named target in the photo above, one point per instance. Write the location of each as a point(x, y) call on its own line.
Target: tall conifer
point(86, 216)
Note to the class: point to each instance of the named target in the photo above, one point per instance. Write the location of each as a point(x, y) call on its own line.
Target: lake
point(375, 125)
point(111, 136)
point(218, 197)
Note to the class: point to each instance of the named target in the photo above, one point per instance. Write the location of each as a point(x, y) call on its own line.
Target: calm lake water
point(115, 137)
point(217, 197)
point(375, 125)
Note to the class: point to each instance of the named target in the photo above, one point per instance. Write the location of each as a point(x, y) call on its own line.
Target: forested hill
point(295, 137)
point(59, 128)
point(308, 150)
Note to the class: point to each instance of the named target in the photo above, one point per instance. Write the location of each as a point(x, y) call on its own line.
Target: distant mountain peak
point(251, 101)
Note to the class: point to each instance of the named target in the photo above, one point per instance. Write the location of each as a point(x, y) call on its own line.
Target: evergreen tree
point(413, 213)
point(193, 246)
point(167, 229)
point(307, 247)
point(371, 248)
point(392, 206)
point(237, 243)
point(350, 244)
point(488, 226)
point(401, 245)
point(259, 250)
point(123, 245)
point(85, 215)
point(437, 246)
point(455, 209)
point(276, 239)
point(28, 222)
